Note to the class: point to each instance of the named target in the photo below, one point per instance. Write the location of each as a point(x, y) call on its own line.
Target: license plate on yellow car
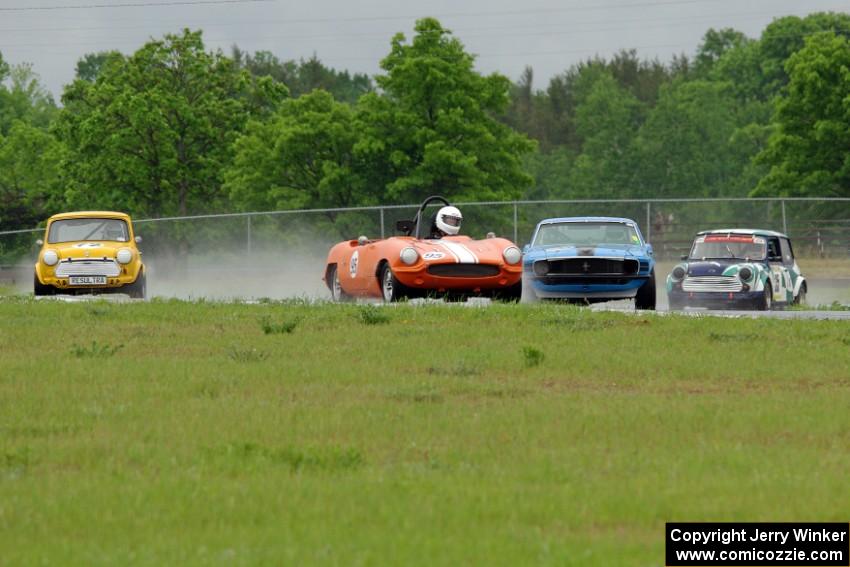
point(87, 280)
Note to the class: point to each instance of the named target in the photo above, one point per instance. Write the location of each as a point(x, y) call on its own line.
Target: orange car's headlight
point(409, 255)
point(512, 255)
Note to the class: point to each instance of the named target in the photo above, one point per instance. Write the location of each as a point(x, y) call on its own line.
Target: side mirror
point(138, 239)
point(405, 226)
point(40, 242)
point(525, 249)
point(649, 249)
point(683, 257)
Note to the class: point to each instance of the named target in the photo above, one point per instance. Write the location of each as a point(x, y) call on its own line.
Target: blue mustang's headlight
point(541, 268)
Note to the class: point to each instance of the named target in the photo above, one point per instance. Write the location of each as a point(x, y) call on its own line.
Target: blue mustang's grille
point(579, 280)
point(593, 267)
point(644, 265)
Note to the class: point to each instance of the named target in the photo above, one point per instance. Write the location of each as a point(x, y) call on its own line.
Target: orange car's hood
point(88, 249)
point(462, 249)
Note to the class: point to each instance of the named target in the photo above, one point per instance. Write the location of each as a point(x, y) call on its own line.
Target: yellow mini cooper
point(90, 252)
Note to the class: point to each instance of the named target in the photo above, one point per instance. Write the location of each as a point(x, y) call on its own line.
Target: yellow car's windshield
point(72, 230)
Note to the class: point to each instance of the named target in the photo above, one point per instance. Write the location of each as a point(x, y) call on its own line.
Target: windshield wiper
point(98, 227)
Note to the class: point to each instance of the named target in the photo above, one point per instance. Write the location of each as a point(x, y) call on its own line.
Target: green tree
point(808, 151)
point(688, 146)
point(90, 66)
point(154, 133)
point(302, 158)
point(29, 175)
point(785, 36)
point(23, 97)
point(304, 76)
point(432, 128)
point(607, 120)
point(716, 43)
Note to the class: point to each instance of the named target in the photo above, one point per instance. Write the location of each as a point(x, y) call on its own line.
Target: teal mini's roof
point(753, 231)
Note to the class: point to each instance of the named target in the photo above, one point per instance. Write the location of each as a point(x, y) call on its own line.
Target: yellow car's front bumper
point(127, 275)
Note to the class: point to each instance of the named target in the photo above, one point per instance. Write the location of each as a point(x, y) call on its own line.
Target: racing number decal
point(433, 255)
point(352, 264)
point(779, 279)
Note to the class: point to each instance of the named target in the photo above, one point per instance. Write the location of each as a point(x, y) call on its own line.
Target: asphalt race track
point(299, 281)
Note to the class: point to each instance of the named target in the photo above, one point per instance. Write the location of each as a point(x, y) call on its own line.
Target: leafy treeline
point(175, 129)
point(742, 117)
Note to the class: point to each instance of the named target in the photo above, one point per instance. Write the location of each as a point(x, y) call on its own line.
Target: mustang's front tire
point(645, 298)
point(528, 295)
point(391, 289)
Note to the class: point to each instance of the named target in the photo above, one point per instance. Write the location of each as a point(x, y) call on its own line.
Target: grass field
point(172, 433)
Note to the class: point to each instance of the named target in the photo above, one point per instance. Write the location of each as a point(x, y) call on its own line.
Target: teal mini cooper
point(737, 269)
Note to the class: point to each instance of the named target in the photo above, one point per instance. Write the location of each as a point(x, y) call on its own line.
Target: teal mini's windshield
point(731, 247)
point(72, 230)
point(587, 234)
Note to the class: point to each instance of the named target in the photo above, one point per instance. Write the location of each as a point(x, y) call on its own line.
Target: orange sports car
point(430, 258)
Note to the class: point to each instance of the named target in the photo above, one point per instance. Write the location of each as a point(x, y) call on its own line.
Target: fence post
point(648, 221)
point(248, 232)
point(516, 227)
point(784, 223)
point(382, 222)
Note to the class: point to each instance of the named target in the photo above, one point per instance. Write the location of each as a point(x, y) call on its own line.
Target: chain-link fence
point(818, 227)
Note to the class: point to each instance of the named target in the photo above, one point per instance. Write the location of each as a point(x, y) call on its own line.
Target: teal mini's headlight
point(746, 274)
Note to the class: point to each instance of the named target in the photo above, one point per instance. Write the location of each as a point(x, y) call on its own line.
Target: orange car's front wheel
point(391, 289)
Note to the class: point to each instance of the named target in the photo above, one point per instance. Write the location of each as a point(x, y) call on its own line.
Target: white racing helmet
point(448, 220)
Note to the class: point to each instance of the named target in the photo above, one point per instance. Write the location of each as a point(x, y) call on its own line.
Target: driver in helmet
point(446, 222)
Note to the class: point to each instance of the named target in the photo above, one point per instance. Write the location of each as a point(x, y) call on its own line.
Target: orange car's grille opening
point(463, 270)
point(593, 267)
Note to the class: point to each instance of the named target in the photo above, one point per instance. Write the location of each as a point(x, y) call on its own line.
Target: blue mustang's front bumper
point(593, 288)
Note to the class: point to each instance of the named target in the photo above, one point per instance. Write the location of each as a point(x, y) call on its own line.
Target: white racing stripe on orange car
point(447, 249)
point(463, 254)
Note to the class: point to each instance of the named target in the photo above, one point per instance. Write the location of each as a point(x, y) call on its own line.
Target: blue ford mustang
point(590, 259)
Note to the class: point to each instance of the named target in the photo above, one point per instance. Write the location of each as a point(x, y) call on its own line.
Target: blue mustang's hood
point(609, 250)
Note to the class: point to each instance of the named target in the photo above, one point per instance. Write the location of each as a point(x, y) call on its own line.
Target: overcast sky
point(549, 35)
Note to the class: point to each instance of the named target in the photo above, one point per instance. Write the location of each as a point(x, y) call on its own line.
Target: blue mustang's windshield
point(586, 234)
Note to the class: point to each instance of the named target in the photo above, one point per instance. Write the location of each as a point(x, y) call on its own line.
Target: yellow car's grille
point(108, 268)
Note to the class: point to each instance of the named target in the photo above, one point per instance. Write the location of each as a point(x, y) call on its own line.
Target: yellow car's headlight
point(51, 258)
point(124, 256)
